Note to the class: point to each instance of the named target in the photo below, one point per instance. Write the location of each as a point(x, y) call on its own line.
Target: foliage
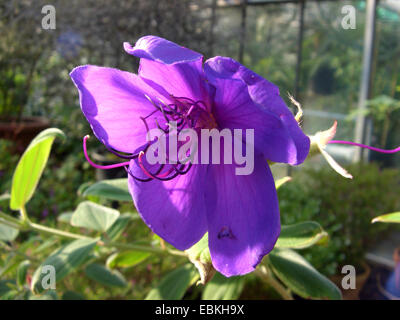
point(106, 248)
point(344, 208)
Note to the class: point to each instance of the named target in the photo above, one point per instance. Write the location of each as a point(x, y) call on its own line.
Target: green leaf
point(301, 235)
point(118, 226)
point(101, 274)
point(22, 271)
point(30, 167)
point(93, 216)
point(388, 218)
point(7, 233)
point(65, 217)
point(280, 182)
point(126, 259)
point(174, 285)
point(64, 260)
point(297, 274)
point(222, 288)
point(113, 189)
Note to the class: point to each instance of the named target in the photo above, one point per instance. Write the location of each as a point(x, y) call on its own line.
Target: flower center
point(183, 113)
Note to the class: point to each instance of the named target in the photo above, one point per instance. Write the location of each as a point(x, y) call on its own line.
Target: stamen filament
point(147, 173)
point(365, 146)
point(112, 166)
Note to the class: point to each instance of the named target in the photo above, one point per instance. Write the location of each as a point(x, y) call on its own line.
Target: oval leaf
point(297, 274)
point(22, 271)
point(115, 231)
point(113, 189)
point(7, 233)
point(301, 235)
point(126, 259)
point(101, 274)
point(64, 260)
point(222, 288)
point(30, 167)
point(174, 285)
point(93, 216)
point(388, 218)
point(65, 217)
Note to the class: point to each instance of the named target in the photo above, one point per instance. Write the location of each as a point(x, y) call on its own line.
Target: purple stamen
point(112, 166)
point(184, 111)
point(365, 146)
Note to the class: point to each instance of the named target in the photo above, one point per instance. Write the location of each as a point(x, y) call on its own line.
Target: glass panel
point(270, 51)
point(331, 68)
point(386, 82)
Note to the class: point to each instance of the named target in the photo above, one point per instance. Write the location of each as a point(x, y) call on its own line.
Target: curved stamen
point(149, 174)
point(123, 156)
point(182, 169)
point(183, 112)
point(112, 166)
point(136, 178)
point(366, 147)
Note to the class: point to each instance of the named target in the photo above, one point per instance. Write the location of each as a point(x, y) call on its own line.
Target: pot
point(22, 132)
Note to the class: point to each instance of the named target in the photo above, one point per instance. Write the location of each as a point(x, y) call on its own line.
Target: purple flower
point(182, 203)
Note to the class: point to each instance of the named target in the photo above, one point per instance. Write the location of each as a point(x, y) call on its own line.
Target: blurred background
point(336, 73)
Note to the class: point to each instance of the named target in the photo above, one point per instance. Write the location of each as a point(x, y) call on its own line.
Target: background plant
point(344, 208)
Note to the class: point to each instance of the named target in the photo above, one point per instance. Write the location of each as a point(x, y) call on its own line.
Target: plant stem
point(132, 246)
point(25, 224)
point(56, 232)
point(24, 215)
point(9, 224)
point(7, 217)
point(269, 279)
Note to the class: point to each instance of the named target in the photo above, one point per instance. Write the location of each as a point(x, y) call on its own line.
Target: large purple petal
point(161, 50)
point(267, 96)
point(177, 69)
point(245, 224)
point(113, 102)
point(175, 209)
point(234, 109)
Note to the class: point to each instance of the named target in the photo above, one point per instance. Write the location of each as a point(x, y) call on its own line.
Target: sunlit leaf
point(388, 218)
point(30, 167)
point(126, 259)
point(113, 189)
point(65, 217)
point(93, 216)
point(297, 274)
point(7, 233)
point(301, 235)
point(115, 231)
